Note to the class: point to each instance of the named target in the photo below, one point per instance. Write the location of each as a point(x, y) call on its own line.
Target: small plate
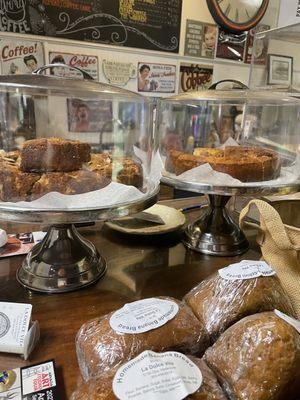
point(173, 219)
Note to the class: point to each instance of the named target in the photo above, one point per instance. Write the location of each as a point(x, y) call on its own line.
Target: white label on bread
point(246, 269)
point(157, 376)
point(143, 315)
point(291, 321)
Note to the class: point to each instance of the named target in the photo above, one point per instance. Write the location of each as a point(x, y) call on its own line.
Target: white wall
point(288, 13)
point(192, 9)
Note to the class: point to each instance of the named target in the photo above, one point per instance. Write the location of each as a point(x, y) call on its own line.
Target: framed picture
point(89, 115)
point(280, 70)
point(159, 78)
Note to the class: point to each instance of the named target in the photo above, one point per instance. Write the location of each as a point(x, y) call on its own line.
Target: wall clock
point(237, 15)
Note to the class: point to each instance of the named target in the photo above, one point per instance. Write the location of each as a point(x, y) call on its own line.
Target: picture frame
point(89, 116)
point(280, 70)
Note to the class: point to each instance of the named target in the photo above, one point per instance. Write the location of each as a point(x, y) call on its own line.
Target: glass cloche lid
point(73, 145)
point(56, 84)
point(236, 95)
point(221, 140)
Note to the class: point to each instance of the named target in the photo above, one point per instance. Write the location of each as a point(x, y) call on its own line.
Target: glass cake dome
point(72, 145)
point(230, 141)
point(72, 151)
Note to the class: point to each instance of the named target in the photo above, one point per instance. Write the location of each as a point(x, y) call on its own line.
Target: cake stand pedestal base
point(215, 232)
point(64, 261)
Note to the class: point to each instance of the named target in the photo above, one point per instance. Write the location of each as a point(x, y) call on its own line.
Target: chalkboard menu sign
point(148, 24)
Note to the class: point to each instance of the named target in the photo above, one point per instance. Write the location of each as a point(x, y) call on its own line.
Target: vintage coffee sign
point(21, 57)
point(194, 77)
point(159, 78)
point(118, 73)
point(85, 62)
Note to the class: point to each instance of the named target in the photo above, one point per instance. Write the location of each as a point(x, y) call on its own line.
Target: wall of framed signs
point(190, 55)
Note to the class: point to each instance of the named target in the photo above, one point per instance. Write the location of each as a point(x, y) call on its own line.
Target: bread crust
point(69, 183)
point(100, 348)
point(247, 164)
point(122, 170)
point(17, 185)
point(219, 303)
point(101, 389)
point(258, 358)
point(53, 155)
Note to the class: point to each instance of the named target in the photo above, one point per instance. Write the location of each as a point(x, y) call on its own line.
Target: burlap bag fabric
point(280, 246)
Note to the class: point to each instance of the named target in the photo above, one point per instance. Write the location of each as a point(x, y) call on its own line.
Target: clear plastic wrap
point(101, 389)
point(100, 348)
point(258, 358)
point(219, 303)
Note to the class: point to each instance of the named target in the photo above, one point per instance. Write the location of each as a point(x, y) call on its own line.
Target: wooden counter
point(137, 268)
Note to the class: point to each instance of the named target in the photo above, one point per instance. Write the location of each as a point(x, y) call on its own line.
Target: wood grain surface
point(137, 268)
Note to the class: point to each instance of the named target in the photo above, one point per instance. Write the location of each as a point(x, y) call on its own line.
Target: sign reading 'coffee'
point(149, 24)
point(195, 77)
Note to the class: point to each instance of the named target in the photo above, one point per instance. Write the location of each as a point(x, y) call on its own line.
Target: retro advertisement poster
point(83, 61)
point(159, 78)
point(194, 77)
point(21, 57)
point(200, 39)
point(117, 72)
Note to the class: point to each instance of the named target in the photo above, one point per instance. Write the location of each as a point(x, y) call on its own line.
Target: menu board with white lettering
point(148, 24)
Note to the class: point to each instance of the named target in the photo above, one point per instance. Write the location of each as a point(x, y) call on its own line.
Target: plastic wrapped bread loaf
point(101, 389)
point(210, 388)
point(219, 303)
point(258, 358)
point(100, 348)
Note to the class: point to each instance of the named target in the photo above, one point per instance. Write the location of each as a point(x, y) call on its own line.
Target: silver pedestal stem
point(64, 261)
point(215, 232)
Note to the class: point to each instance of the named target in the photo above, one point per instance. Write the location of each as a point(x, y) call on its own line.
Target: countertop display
point(137, 268)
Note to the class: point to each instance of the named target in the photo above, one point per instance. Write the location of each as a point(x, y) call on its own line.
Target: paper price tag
point(291, 321)
point(157, 376)
point(143, 315)
point(246, 269)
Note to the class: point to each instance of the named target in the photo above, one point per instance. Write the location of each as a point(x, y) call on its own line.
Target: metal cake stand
point(65, 261)
point(215, 232)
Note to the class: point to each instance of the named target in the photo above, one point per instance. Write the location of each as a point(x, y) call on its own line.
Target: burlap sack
point(280, 246)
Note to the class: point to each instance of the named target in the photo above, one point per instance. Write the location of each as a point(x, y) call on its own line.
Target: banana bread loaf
point(69, 183)
point(258, 358)
point(15, 185)
point(100, 348)
point(53, 155)
point(101, 389)
point(247, 164)
point(123, 170)
point(219, 303)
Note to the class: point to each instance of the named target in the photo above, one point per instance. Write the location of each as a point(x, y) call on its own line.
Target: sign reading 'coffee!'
point(21, 57)
point(194, 77)
point(148, 24)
